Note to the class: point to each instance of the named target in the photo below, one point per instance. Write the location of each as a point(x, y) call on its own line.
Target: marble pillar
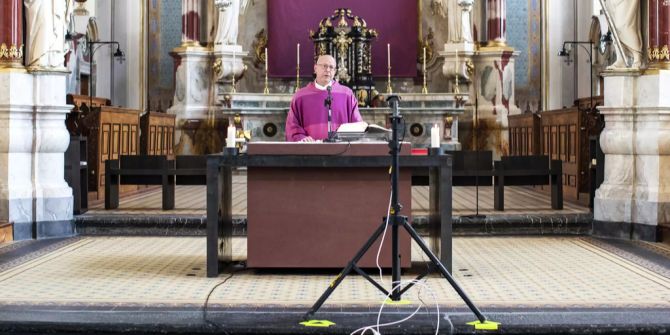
point(659, 34)
point(493, 91)
point(33, 193)
point(496, 22)
point(634, 199)
point(190, 23)
point(193, 82)
point(192, 102)
point(11, 33)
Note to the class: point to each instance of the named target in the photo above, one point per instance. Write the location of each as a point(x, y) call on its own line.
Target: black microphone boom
point(328, 104)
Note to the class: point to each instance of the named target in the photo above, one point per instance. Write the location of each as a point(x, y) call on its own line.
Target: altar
point(264, 115)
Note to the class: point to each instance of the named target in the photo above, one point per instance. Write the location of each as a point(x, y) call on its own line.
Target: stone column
point(493, 89)
point(659, 34)
point(11, 33)
point(33, 193)
point(496, 17)
point(190, 23)
point(634, 199)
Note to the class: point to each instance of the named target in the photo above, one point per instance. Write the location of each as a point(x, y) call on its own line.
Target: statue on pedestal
point(457, 13)
point(46, 24)
point(228, 21)
point(625, 15)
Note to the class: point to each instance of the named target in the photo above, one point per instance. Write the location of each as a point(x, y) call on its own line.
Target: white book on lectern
point(361, 127)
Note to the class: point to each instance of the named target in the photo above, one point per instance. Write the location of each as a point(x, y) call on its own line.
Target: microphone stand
point(328, 104)
point(396, 221)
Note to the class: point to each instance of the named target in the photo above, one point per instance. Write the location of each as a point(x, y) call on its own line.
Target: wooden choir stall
point(114, 131)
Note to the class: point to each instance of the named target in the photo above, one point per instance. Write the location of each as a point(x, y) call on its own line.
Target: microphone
point(329, 99)
point(328, 103)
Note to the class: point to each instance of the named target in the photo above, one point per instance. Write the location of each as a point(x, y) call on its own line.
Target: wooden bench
point(138, 170)
point(469, 167)
point(153, 170)
point(472, 168)
point(527, 171)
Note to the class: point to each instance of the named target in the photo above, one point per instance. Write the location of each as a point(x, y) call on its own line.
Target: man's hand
point(307, 139)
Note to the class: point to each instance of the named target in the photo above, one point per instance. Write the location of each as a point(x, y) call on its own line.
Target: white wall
point(567, 20)
point(103, 54)
point(584, 13)
point(124, 83)
point(129, 77)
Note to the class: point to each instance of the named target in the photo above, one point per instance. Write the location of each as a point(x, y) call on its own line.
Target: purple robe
point(309, 117)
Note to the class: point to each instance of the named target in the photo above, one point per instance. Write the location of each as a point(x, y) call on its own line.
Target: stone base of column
point(192, 99)
point(494, 91)
point(229, 65)
point(636, 143)
point(33, 193)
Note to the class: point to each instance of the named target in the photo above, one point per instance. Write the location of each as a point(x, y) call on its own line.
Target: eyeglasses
point(326, 67)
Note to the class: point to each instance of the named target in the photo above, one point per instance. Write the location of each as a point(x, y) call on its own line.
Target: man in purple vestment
point(307, 121)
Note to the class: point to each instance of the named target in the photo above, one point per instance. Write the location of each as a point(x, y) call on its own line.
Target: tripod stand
point(396, 220)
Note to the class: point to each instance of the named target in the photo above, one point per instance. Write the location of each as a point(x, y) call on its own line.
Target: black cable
point(204, 307)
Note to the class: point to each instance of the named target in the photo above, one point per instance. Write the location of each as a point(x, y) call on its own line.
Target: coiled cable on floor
point(375, 328)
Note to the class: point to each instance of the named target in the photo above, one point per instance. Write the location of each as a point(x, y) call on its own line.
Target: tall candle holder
point(297, 78)
point(389, 90)
point(232, 70)
point(457, 90)
point(424, 89)
point(266, 89)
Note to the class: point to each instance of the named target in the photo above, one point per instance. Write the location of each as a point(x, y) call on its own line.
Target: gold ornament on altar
point(349, 42)
point(216, 67)
point(11, 54)
point(259, 45)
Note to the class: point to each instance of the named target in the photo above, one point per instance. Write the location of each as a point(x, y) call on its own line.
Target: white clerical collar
point(322, 87)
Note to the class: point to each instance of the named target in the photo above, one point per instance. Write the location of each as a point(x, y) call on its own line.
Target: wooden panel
point(157, 130)
point(524, 134)
point(6, 232)
point(563, 142)
point(111, 131)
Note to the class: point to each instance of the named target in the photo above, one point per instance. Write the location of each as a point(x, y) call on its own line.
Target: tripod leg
point(345, 271)
point(444, 271)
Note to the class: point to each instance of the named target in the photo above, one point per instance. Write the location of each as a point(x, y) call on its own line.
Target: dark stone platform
point(268, 320)
point(175, 225)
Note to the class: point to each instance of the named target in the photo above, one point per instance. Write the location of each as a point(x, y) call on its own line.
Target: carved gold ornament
point(470, 67)
point(259, 45)
point(12, 53)
point(659, 54)
point(217, 67)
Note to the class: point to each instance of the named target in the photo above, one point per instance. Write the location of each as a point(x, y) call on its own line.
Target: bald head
point(324, 69)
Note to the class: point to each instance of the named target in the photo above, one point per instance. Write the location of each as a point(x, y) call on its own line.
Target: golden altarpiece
point(349, 40)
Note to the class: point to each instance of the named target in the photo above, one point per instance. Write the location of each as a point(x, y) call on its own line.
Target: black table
point(219, 195)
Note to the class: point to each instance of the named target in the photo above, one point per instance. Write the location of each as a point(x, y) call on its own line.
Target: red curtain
point(289, 23)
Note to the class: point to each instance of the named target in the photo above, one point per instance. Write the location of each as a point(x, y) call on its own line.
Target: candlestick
point(297, 69)
point(389, 90)
point(266, 90)
point(388, 54)
point(233, 72)
point(457, 90)
point(424, 90)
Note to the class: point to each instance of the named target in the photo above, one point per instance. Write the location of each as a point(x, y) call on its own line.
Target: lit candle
point(266, 60)
point(298, 54)
point(230, 138)
point(435, 136)
point(424, 59)
point(388, 54)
